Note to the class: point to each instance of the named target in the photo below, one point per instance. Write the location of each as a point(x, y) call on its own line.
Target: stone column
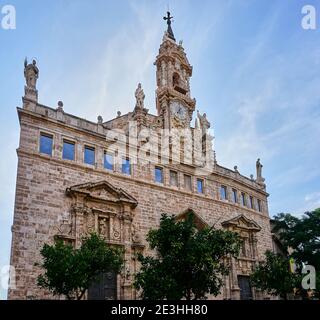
point(235, 290)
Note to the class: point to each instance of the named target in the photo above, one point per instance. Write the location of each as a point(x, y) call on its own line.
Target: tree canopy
point(70, 271)
point(302, 236)
point(189, 263)
point(274, 276)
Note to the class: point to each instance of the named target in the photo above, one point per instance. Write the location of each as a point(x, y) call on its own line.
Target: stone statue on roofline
point(31, 73)
point(204, 123)
point(259, 166)
point(139, 94)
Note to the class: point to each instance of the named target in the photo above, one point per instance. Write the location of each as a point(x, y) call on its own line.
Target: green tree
point(274, 276)
point(302, 236)
point(188, 263)
point(70, 271)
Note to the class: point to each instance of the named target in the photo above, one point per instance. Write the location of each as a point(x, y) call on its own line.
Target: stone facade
point(60, 198)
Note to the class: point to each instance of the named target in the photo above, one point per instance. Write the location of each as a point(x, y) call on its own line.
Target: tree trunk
point(81, 294)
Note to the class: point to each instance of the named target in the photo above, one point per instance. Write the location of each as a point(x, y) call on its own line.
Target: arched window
point(175, 80)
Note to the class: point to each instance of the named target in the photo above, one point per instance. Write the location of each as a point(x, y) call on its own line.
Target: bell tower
point(173, 99)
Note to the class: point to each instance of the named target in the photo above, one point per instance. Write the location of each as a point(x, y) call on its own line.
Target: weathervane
point(170, 32)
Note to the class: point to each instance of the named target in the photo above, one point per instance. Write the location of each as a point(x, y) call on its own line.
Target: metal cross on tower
point(170, 32)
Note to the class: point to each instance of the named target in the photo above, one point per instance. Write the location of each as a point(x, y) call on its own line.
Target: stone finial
point(251, 177)
point(100, 120)
point(236, 169)
point(214, 158)
point(196, 123)
point(118, 114)
point(139, 94)
point(60, 106)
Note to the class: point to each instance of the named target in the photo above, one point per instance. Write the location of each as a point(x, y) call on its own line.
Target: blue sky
point(256, 75)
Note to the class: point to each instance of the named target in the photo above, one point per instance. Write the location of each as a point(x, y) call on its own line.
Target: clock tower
point(173, 99)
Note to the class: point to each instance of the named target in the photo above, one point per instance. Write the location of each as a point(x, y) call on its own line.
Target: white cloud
point(312, 201)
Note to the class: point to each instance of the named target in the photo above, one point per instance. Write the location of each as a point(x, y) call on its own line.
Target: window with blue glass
point(234, 195)
point(243, 199)
point(200, 185)
point(46, 143)
point(68, 150)
point(158, 175)
point(223, 193)
point(108, 161)
point(251, 202)
point(89, 157)
point(126, 166)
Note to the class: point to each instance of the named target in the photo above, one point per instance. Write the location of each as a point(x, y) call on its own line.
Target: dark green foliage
point(274, 276)
point(302, 235)
point(189, 263)
point(70, 271)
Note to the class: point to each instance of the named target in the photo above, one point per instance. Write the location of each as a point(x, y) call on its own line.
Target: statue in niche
point(103, 227)
point(90, 225)
point(135, 236)
point(31, 73)
point(139, 94)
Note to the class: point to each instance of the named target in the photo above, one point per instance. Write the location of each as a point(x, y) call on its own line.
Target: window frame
point(160, 169)
point(106, 153)
point(202, 185)
point(234, 195)
point(259, 205)
point(251, 200)
point(177, 178)
point(185, 176)
point(47, 135)
point(88, 147)
point(243, 199)
point(225, 188)
point(130, 166)
point(65, 140)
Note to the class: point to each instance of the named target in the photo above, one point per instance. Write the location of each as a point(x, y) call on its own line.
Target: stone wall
point(41, 201)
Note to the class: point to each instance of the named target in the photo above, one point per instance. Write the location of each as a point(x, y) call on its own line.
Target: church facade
point(117, 177)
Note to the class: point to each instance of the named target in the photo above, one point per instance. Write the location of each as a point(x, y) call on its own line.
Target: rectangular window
point(126, 166)
point(243, 199)
point(173, 178)
point(251, 202)
point(187, 182)
point(200, 185)
point(68, 150)
point(108, 161)
point(46, 143)
point(234, 195)
point(89, 156)
point(158, 175)
point(259, 205)
point(223, 193)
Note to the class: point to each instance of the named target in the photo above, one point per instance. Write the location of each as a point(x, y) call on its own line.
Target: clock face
point(178, 110)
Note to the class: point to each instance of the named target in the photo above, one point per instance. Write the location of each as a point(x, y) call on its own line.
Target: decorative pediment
point(242, 222)
point(102, 191)
point(199, 222)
